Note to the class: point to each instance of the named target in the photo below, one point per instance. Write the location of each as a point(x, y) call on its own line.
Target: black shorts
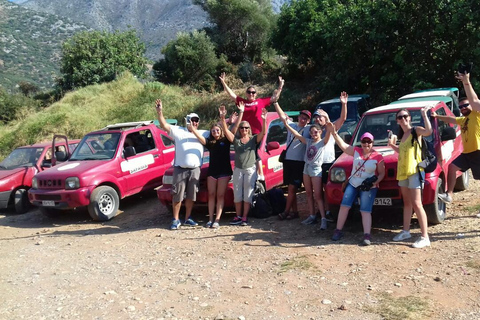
point(469, 160)
point(293, 172)
point(325, 169)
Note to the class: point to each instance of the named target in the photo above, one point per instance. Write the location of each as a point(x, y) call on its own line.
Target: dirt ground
point(133, 267)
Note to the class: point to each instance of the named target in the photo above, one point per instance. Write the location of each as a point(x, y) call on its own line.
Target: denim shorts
point(366, 198)
point(413, 181)
point(312, 171)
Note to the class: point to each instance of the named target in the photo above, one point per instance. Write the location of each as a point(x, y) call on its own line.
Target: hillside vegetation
point(123, 100)
point(30, 45)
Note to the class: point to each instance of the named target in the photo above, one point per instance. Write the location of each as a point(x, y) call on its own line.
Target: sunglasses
point(251, 92)
point(244, 127)
point(194, 119)
point(367, 141)
point(463, 105)
point(403, 116)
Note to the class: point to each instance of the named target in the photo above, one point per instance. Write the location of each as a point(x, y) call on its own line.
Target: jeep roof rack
point(127, 125)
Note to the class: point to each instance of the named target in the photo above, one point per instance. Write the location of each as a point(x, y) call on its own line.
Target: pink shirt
point(253, 112)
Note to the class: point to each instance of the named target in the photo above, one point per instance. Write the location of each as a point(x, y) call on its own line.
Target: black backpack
point(428, 156)
point(277, 200)
point(260, 207)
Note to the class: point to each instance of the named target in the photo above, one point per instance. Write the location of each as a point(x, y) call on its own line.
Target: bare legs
point(313, 191)
point(216, 193)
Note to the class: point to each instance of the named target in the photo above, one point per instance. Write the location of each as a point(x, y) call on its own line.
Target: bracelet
point(466, 84)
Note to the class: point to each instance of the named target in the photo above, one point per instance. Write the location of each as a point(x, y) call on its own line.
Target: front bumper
point(60, 199)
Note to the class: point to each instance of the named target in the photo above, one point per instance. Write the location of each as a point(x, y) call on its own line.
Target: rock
point(326, 301)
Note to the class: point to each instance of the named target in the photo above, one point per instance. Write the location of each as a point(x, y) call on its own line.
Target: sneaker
point(244, 223)
point(323, 225)
point(403, 235)
point(337, 235)
point(329, 216)
point(236, 221)
point(189, 222)
point(478, 215)
point(366, 239)
point(445, 197)
point(215, 225)
point(175, 224)
point(208, 224)
point(310, 220)
point(421, 243)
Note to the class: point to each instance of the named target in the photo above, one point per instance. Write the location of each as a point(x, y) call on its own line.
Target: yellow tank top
point(407, 164)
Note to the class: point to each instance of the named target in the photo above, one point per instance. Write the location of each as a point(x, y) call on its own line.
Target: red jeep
point(110, 164)
point(270, 148)
point(378, 121)
point(19, 167)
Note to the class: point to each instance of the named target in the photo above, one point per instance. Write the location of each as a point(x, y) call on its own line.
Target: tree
point(386, 48)
point(241, 27)
point(94, 57)
point(189, 59)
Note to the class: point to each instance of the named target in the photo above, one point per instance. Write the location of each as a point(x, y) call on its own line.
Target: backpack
point(260, 207)
point(277, 200)
point(429, 159)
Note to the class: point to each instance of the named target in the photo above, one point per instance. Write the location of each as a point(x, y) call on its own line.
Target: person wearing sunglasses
point(408, 175)
point(312, 170)
point(220, 168)
point(368, 170)
point(469, 123)
point(186, 166)
point(245, 174)
point(253, 109)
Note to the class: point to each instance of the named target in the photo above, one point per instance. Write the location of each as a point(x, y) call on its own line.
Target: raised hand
point(158, 105)
point(464, 77)
point(264, 113)
point(222, 77)
point(233, 118)
point(281, 81)
point(222, 111)
point(344, 97)
point(330, 126)
point(241, 106)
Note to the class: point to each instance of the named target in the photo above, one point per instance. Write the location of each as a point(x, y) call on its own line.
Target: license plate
point(48, 203)
point(382, 202)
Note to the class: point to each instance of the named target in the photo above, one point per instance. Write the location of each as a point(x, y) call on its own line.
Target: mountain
point(30, 45)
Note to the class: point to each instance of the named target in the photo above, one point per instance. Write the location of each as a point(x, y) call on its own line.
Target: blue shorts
point(312, 171)
point(366, 198)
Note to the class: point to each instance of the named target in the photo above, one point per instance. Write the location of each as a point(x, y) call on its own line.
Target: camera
point(367, 184)
point(465, 68)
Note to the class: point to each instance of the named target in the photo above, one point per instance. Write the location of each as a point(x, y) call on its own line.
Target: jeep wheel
point(462, 182)
point(21, 201)
point(437, 210)
point(104, 203)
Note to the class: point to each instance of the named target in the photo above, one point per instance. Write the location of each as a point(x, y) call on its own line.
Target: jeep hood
point(74, 168)
point(8, 173)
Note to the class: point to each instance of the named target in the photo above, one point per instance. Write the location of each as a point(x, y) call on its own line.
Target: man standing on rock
point(470, 131)
point(186, 166)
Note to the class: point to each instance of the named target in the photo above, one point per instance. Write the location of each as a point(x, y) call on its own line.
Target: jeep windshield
point(21, 157)
point(97, 146)
point(378, 125)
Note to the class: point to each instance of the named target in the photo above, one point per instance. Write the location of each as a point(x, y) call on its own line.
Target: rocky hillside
point(30, 45)
point(158, 21)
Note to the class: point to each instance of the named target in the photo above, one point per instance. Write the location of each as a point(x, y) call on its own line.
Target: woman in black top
point(219, 169)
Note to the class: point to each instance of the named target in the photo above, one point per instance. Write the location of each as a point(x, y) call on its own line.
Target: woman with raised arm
point(410, 175)
point(244, 174)
point(312, 171)
point(219, 169)
point(368, 170)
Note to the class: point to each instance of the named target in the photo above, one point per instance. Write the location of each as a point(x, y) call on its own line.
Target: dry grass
point(298, 263)
point(401, 308)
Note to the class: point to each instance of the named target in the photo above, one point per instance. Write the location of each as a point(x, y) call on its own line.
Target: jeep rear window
point(97, 146)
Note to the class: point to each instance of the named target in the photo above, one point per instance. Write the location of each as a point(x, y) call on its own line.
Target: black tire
point(462, 182)
point(104, 203)
point(50, 212)
point(437, 211)
point(21, 201)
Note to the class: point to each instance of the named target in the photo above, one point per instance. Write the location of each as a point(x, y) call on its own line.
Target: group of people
point(309, 154)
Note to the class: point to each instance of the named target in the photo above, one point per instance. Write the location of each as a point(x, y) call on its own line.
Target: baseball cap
point(320, 113)
point(192, 115)
point(307, 113)
point(367, 135)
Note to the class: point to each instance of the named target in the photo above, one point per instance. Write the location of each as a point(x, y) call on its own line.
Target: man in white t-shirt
point(187, 163)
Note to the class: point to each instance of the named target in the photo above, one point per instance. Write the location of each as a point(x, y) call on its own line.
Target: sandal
point(282, 216)
point(292, 215)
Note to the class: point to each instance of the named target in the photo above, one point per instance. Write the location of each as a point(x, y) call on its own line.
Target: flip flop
point(282, 216)
point(292, 215)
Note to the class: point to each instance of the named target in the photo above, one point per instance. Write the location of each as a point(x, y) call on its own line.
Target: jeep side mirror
point(448, 133)
point(129, 152)
point(272, 145)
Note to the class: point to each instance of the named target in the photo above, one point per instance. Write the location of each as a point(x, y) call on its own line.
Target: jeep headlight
point(34, 183)
point(337, 175)
point(167, 179)
point(72, 183)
